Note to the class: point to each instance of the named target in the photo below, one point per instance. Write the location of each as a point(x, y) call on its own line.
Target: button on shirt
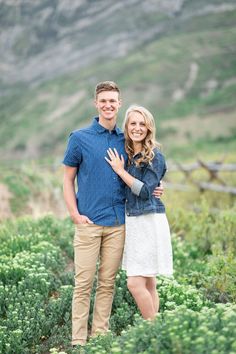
point(101, 192)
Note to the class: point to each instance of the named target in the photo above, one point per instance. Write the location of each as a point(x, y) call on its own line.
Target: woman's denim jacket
point(139, 198)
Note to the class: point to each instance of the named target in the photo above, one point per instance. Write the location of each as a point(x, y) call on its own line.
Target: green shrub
point(205, 228)
point(35, 291)
point(181, 330)
point(33, 301)
point(205, 250)
point(20, 191)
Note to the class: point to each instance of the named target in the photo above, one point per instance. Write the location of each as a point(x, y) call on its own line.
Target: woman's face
point(136, 128)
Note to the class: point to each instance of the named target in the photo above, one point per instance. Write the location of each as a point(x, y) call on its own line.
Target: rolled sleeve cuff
point(136, 187)
point(67, 162)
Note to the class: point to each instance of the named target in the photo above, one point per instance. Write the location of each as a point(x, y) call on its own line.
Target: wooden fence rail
point(213, 169)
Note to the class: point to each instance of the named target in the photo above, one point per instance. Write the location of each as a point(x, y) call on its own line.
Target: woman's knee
point(151, 283)
point(134, 284)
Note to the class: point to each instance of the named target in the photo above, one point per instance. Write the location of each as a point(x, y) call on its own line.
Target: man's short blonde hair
point(106, 86)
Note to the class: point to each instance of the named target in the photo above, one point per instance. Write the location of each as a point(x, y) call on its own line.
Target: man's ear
point(120, 101)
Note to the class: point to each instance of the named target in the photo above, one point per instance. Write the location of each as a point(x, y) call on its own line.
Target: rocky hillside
point(43, 39)
point(177, 57)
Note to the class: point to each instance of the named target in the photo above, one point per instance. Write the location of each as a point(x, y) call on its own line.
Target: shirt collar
point(138, 155)
point(100, 129)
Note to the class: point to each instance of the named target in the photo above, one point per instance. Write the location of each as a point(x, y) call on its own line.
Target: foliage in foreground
point(181, 330)
point(36, 291)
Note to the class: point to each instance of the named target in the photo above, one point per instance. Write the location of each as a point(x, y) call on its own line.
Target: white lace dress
point(148, 250)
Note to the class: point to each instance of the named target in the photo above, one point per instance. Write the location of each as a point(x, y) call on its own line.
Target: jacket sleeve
point(152, 176)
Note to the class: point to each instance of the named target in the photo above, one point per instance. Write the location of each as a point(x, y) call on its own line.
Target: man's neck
point(109, 125)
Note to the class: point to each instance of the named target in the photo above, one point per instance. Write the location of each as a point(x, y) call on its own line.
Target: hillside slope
point(175, 57)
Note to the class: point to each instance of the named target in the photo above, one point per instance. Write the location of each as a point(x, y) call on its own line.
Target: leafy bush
point(36, 291)
point(204, 246)
point(180, 330)
point(19, 190)
point(33, 299)
point(206, 229)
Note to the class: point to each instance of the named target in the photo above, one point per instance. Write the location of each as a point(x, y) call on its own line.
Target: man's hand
point(158, 191)
point(81, 219)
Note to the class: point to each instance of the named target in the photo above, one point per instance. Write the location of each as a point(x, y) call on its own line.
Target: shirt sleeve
point(152, 176)
point(73, 154)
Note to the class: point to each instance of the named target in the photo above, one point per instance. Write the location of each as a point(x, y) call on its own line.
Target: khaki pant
point(90, 243)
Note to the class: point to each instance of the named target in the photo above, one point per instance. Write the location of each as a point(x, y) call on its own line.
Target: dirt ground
point(37, 206)
point(5, 208)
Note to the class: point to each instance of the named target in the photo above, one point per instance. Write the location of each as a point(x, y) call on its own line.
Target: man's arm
point(70, 196)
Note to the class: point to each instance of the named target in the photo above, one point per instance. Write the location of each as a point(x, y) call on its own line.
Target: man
point(97, 210)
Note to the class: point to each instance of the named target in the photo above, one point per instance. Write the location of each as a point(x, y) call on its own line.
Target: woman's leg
point(137, 285)
point(151, 286)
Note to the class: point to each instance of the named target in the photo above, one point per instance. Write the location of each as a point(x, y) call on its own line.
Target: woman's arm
point(152, 177)
point(118, 165)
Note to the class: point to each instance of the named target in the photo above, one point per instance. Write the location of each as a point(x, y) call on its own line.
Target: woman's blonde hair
point(149, 143)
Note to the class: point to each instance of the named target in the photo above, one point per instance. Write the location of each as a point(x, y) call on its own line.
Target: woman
point(148, 250)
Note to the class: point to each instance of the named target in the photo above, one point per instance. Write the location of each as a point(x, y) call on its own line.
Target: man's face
point(107, 104)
